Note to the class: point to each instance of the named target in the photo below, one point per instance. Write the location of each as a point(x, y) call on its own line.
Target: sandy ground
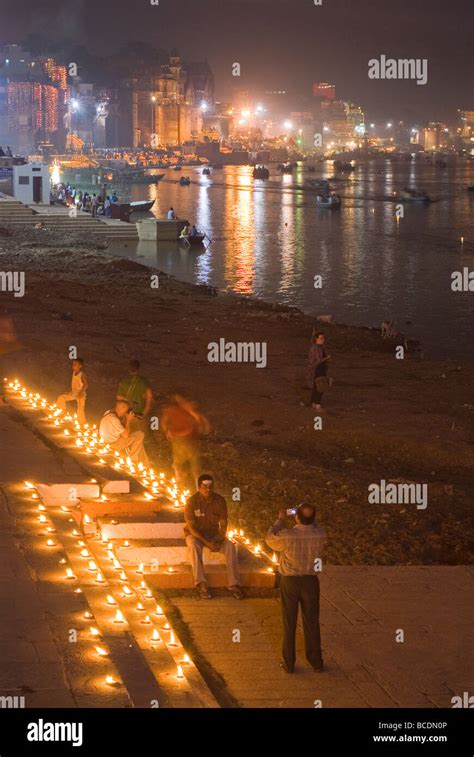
point(384, 419)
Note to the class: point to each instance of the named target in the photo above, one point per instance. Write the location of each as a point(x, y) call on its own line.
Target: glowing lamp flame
point(127, 591)
point(111, 600)
point(85, 553)
point(119, 617)
point(70, 575)
point(94, 631)
point(179, 674)
point(155, 637)
point(101, 652)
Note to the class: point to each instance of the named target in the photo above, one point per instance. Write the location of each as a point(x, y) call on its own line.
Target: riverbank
point(384, 419)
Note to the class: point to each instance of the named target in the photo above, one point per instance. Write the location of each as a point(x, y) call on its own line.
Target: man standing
point(206, 526)
point(78, 391)
point(115, 430)
point(136, 390)
point(300, 548)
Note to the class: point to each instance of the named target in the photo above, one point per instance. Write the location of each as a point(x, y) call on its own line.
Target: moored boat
point(206, 171)
point(141, 206)
point(319, 184)
point(343, 167)
point(412, 195)
point(184, 181)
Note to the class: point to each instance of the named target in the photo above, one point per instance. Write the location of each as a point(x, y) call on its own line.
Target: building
point(34, 96)
point(324, 91)
point(31, 183)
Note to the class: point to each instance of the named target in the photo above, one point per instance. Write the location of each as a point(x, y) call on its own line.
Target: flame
point(119, 617)
point(179, 673)
point(111, 600)
point(101, 652)
point(69, 574)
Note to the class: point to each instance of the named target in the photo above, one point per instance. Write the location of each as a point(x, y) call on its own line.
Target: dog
point(390, 331)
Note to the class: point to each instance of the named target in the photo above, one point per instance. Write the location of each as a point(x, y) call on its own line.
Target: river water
point(270, 241)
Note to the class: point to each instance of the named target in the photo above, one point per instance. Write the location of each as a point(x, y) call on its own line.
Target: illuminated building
point(324, 91)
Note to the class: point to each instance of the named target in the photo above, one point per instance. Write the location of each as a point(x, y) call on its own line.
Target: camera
point(291, 511)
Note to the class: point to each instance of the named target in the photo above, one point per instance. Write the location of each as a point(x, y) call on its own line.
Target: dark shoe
point(236, 592)
point(319, 669)
point(284, 667)
point(203, 591)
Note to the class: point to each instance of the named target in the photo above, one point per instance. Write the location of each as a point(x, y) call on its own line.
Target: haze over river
point(269, 240)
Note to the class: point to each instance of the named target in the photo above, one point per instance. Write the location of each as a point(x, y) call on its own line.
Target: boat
point(184, 181)
point(141, 206)
point(332, 202)
point(411, 195)
point(343, 167)
point(285, 168)
point(148, 179)
point(206, 171)
point(260, 172)
point(177, 168)
point(319, 184)
point(195, 240)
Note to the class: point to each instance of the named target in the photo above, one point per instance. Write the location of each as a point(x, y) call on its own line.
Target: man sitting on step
point(206, 526)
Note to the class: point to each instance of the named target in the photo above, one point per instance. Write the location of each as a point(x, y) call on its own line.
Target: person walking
point(318, 368)
point(299, 549)
point(184, 425)
point(206, 526)
point(78, 391)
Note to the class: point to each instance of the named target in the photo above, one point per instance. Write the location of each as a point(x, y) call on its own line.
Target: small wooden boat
point(343, 167)
point(411, 195)
point(260, 172)
point(141, 207)
point(193, 240)
point(206, 171)
point(332, 202)
point(184, 181)
point(285, 168)
point(319, 184)
point(177, 168)
point(148, 179)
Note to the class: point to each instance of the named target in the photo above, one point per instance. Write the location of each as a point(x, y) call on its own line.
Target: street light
point(288, 125)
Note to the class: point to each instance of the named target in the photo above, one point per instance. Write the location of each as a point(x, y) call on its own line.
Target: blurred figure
point(115, 430)
point(183, 425)
point(317, 369)
point(8, 338)
point(78, 391)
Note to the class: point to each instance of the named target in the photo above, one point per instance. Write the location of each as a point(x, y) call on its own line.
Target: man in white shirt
point(171, 215)
point(115, 430)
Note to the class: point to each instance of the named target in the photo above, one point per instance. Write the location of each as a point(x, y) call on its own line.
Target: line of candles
point(89, 438)
point(110, 600)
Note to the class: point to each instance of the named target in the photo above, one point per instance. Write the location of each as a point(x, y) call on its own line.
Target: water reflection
point(270, 240)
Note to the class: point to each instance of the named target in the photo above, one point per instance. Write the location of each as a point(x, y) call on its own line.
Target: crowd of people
point(298, 544)
point(96, 204)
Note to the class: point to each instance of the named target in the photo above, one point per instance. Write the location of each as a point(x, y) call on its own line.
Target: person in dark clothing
point(318, 366)
point(299, 549)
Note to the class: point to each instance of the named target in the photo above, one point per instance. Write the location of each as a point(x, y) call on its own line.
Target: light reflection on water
point(269, 240)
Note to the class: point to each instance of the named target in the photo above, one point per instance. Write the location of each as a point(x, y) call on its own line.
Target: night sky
point(284, 44)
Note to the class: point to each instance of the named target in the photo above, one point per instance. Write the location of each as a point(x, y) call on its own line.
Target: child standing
point(78, 391)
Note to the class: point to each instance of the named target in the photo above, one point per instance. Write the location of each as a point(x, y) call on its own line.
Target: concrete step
point(216, 576)
point(162, 552)
point(160, 525)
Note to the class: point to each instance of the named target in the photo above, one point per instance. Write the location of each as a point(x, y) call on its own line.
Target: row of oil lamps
point(87, 440)
point(127, 592)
